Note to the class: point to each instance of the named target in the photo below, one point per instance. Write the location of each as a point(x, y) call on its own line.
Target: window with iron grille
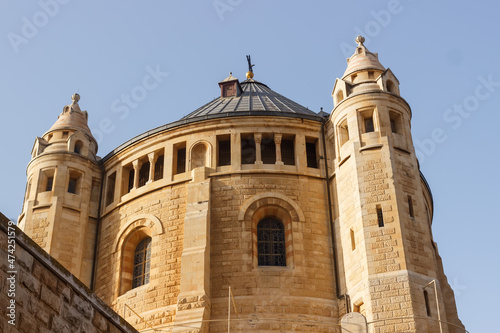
point(144, 174)
point(287, 152)
point(271, 242)
point(142, 263)
point(159, 168)
point(380, 216)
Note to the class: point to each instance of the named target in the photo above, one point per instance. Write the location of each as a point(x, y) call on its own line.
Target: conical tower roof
point(362, 59)
point(72, 118)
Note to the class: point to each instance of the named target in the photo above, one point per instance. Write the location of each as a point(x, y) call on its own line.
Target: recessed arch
point(200, 154)
point(143, 220)
point(266, 198)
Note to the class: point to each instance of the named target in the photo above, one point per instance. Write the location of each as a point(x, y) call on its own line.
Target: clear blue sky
point(445, 55)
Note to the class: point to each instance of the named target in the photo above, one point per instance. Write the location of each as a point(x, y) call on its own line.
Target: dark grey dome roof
point(256, 99)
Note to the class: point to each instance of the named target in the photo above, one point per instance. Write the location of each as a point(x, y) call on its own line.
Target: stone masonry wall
point(274, 298)
point(157, 300)
point(47, 297)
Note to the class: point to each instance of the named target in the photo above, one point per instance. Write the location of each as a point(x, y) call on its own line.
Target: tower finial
point(75, 97)
point(250, 70)
point(360, 40)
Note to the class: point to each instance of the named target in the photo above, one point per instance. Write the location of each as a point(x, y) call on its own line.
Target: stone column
point(258, 153)
point(135, 165)
point(277, 142)
point(151, 157)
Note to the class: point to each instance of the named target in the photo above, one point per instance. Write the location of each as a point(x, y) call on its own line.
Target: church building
point(251, 212)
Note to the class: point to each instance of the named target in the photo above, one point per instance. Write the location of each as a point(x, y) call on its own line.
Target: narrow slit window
point(287, 152)
point(353, 241)
point(110, 190)
point(427, 305)
point(410, 206)
point(312, 157)
point(224, 152)
point(181, 160)
point(393, 126)
point(144, 174)
point(380, 216)
point(131, 175)
point(159, 167)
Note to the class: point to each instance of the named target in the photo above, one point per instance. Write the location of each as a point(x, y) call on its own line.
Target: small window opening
point(65, 134)
point(49, 137)
point(369, 127)
point(312, 157)
point(248, 152)
point(390, 87)
point(360, 308)
point(393, 126)
point(74, 183)
point(159, 167)
point(78, 147)
point(180, 158)
point(395, 122)
point(343, 132)
point(353, 77)
point(410, 206)
point(380, 216)
point(340, 96)
point(353, 241)
point(288, 151)
point(144, 173)
point(268, 149)
point(224, 151)
point(110, 189)
point(427, 306)
point(371, 75)
point(50, 182)
point(131, 176)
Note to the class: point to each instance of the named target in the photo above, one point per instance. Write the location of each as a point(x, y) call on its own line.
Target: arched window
point(271, 242)
point(142, 263)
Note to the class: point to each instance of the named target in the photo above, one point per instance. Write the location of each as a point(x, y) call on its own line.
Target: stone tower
point(383, 205)
point(60, 208)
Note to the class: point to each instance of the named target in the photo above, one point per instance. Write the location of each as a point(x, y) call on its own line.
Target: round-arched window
point(271, 242)
point(142, 263)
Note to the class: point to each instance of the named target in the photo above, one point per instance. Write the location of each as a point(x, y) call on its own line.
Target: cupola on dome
point(362, 59)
